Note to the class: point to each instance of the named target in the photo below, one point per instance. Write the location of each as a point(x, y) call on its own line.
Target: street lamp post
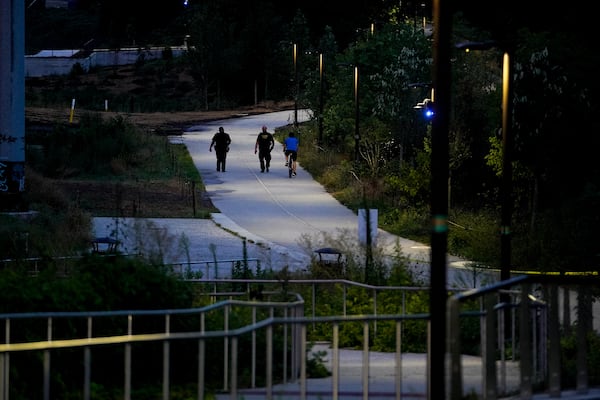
point(506, 188)
point(356, 117)
point(297, 88)
point(356, 111)
point(321, 98)
point(506, 182)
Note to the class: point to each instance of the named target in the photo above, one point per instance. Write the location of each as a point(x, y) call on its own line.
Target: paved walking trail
point(268, 216)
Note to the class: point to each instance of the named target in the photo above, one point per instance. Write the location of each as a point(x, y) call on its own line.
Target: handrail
point(117, 313)
point(295, 322)
point(496, 304)
point(129, 338)
point(512, 295)
point(153, 337)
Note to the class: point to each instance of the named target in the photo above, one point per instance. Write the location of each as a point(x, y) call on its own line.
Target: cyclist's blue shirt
point(291, 143)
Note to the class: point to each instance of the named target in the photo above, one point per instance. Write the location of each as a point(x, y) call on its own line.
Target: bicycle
point(290, 164)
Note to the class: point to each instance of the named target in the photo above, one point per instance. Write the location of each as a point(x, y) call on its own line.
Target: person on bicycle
point(290, 149)
point(264, 145)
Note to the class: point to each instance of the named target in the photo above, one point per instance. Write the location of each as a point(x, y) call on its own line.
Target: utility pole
point(12, 105)
point(442, 76)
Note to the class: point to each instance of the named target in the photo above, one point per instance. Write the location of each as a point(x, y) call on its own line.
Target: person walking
point(221, 141)
point(290, 149)
point(264, 145)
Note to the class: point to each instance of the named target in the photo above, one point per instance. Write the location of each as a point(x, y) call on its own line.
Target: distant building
point(61, 62)
point(59, 3)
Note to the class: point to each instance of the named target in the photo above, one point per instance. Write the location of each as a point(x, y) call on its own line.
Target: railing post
point(201, 358)
point(234, 362)
point(454, 349)
point(47, 363)
point(127, 383)
point(313, 302)
point(226, 349)
point(303, 362)
point(3, 376)
point(398, 359)
point(269, 362)
point(490, 383)
point(554, 346)
point(502, 318)
point(201, 368)
point(335, 367)
point(299, 341)
point(5, 364)
point(87, 363)
point(525, 343)
point(365, 366)
point(166, 359)
point(375, 312)
point(285, 347)
point(583, 316)
point(344, 301)
point(253, 366)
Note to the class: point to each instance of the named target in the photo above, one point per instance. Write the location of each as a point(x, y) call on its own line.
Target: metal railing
point(292, 309)
point(282, 327)
point(207, 269)
point(532, 323)
point(213, 269)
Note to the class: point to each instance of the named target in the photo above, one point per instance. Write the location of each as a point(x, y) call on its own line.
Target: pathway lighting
point(506, 184)
point(356, 124)
point(321, 66)
point(356, 111)
point(427, 103)
point(295, 56)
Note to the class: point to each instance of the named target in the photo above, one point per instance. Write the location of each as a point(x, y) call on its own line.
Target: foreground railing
point(292, 309)
point(283, 348)
point(298, 349)
point(534, 333)
point(290, 316)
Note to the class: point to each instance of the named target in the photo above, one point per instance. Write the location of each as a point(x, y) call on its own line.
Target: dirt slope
point(160, 122)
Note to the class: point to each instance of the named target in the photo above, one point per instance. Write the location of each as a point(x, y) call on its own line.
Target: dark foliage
point(96, 283)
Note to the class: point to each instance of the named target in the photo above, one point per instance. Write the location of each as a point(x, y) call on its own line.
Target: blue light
point(429, 113)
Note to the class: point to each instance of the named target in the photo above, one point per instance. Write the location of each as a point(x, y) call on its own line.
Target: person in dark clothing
point(264, 145)
point(221, 141)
